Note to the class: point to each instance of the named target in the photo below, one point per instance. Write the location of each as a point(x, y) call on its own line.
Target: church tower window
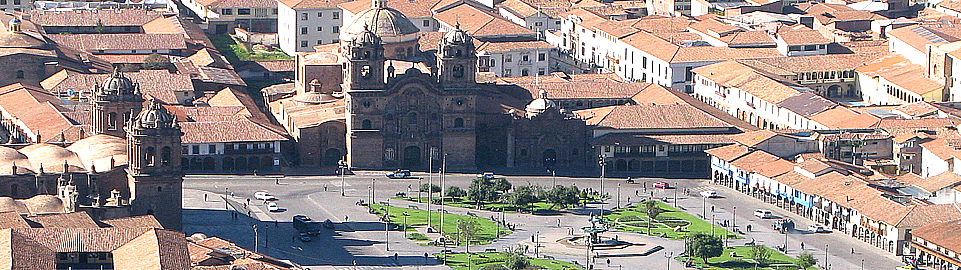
point(365, 124)
point(165, 156)
point(459, 122)
point(149, 157)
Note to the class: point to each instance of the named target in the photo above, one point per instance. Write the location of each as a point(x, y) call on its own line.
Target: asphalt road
point(359, 237)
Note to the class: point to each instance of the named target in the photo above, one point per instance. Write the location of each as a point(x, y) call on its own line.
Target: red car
point(662, 185)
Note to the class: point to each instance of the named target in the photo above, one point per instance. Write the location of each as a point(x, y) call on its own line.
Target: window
point(303, 44)
point(273, 11)
point(243, 11)
point(507, 72)
point(211, 149)
point(365, 124)
point(320, 29)
point(112, 121)
point(540, 71)
point(538, 24)
point(458, 122)
point(303, 30)
point(149, 156)
point(303, 16)
point(525, 58)
point(426, 23)
point(184, 150)
point(644, 62)
point(226, 11)
point(3, 2)
point(492, 63)
point(320, 14)
point(336, 30)
point(195, 149)
point(336, 15)
point(794, 48)
point(165, 156)
point(525, 72)
point(508, 58)
point(16, 2)
point(320, 42)
point(335, 40)
point(541, 56)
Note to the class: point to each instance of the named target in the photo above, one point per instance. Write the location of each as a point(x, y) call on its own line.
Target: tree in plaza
point(429, 188)
point(560, 196)
point(760, 254)
point(703, 246)
point(455, 191)
point(521, 197)
point(515, 259)
point(502, 185)
point(467, 229)
point(805, 260)
point(156, 61)
point(482, 190)
point(652, 211)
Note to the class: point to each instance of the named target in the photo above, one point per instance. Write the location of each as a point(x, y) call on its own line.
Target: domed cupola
point(399, 35)
point(154, 117)
point(15, 25)
point(365, 66)
point(116, 100)
point(457, 43)
point(117, 84)
point(540, 105)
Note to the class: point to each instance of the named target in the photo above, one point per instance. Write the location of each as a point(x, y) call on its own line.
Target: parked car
point(399, 174)
point(662, 185)
point(272, 207)
point(303, 237)
point(709, 194)
point(817, 228)
point(763, 213)
point(487, 175)
point(263, 195)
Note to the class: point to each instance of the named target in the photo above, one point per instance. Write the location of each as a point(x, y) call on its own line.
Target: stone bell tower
point(114, 101)
point(457, 59)
point(154, 175)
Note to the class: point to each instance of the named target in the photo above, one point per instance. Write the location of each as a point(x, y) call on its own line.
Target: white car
point(762, 213)
point(263, 195)
point(817, 228)
point(272, 207)
point(709, 194)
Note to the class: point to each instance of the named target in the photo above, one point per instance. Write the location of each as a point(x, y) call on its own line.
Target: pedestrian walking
point(248, 200)
point(749, 227)
point(802, 245)
point(395, 256)
point(325, 187)
point(852, 250)
point(205, 197)
point(346, 218)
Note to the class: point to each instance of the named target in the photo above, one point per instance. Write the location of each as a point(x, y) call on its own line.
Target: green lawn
point(488, 229)
point(235, 52)
point(743, 261)
point(459, 261)
point(463, 202)
point(634, 219)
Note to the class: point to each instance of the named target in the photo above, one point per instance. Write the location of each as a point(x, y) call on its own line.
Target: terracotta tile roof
point(208, 74)
point(662, 24)
point(527, 8)
point(708, 53)
point(807, 104)
point(793, 65)
point(736, 75)
point(917, 109)
point(944, 148)
point(239, 129)
point(36, 248)
point(159, 84)
point(582, 89)
point(297, 4)
point(479, 23)
point(617, 29)
point(801, 35)
point(657, 94)
point(945, 234)
point(753, 138)
point(921, 215)
point(919, 36)
point(728, 152)
point(763, 163)
point(64, 221)
point(12, 219)
point(915, 123)
point(901, 72)
point(651, 116)
point(279, 66)
point(124, 58)
point(94, 42)
point(36, 109)
point(209, 58)
point(165, 25)
point(84, 17)
point(749, 38)
point(830, 13)
point(147, 221)
point(954, 5)
point(588, 19)
point(503, 46)
point(864, 46)
point(639, 139)
point(841, 117)
point(239, 3)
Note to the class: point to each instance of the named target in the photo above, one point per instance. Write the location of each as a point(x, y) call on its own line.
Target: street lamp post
point(405, 223)
point(386, 224)
point(430, 189)
point(825, 255)
point(703, 207)
point(675, 194)
point(712, 223)
point(618, 196)
point(372, 190)
point(734, 218)
point(443, 186)
point(669, 256)
point(256, 239)
point(342, 165)
point(603, 163)
point(553, 178)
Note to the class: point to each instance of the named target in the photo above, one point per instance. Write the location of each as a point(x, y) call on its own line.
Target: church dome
point(366, 38)
point(540, 105)
point(117, 83)
point(390, 25)
point(458, 36)
point(14, 36)
point(155, 116)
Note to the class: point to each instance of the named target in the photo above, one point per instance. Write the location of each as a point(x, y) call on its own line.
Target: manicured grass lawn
point(459, 261)
point(492, 206)
point(235, 52)
point(488, 229)
point(743, 261)
point(634, 219)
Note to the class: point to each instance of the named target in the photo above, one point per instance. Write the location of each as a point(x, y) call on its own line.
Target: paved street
point(359, 237)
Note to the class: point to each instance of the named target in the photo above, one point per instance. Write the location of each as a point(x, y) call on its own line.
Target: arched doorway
point(549, 157)
point(228, 164)
point(240, 163)
point(253, 163)
point(620, 165)
point(331, 157)
point(209, 164)
point(412, 157)
point(834, 91)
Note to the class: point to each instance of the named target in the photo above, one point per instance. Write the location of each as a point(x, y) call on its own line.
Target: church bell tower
point(365, 62)
point(457, 63)
point(154, 174)
point(114, 101)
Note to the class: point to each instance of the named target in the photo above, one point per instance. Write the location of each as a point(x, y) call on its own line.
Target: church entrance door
point(412, 157)
point(331, 156)
point(549, 157)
